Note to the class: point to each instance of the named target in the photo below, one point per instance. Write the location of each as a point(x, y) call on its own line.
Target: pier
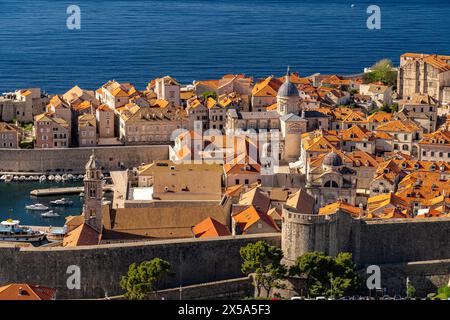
point(62, 191)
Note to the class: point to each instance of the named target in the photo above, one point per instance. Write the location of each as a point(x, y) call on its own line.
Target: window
point(236, 181)
point(331, 184)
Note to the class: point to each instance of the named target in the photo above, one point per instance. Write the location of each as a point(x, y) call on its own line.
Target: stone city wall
point(111, 158)
point(401, 240)
point(193, 261)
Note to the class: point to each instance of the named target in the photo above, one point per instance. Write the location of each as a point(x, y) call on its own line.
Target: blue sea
point(137, 41)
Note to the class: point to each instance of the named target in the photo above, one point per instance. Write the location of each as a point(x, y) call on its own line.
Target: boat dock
point(61, 191)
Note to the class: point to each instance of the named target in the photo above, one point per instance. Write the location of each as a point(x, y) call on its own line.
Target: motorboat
point(36, 207)
point(15, 178)
point(11, 231)
point(65, 177)
point(56, 233)
point(50, 214)
point(22, 178)
point(51, 177)
point(8, 178)
point(81, 177)
point(70, 176)
point(35, 178)
point(42, 178)
point(3, 177)
point(61, 202)
point(57, 178)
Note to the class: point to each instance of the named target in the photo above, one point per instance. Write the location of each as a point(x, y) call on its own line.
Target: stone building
point(10, 135)
point(150, 125)
point(167, 88)
point(51, 131)
point(424, 74)
point(166, 180)
point(22, 105)
point(435, 146)
point(87, 130)
point(287, 119)
point(406, 135)
point(421, 109)
point(332, 181)
point(105, 122)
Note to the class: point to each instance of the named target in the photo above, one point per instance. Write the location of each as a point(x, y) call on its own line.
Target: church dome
point(332, 159)
point(288, 89)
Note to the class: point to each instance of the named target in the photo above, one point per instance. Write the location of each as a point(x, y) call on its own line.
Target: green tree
point(144, 278)
point(410, 291)
point(208, 94)
point(328, 276)
point(443, 293)
point(264, 262)
point(382, 71)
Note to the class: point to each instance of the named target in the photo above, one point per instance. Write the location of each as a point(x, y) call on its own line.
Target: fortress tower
point(302, 233)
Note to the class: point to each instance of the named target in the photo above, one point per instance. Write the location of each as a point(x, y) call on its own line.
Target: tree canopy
point(326, 275)
point(264, 262)
point(382, 71)
point(144, 278)
point(208, 94)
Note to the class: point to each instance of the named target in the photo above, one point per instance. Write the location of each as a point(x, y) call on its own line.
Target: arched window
point(331, 184)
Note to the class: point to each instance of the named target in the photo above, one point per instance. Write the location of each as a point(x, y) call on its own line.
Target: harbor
point(15, 197)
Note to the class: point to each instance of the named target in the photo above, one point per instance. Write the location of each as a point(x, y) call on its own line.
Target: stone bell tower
point(93, 194)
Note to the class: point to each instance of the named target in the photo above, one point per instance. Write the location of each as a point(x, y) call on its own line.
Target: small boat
point(36, 207)
point(51, 177)
point(70, 176)
point(11, 231)
point(81, 194)
point(22, 178)
point(50, 214)
point(3, 177)
point(15, 178)
point(65, 177)
point(61, 202)
point(56, 233)
point(35, 178)
point(29, 178)
point(8, 178)
point(42, 178)
point(57, 178)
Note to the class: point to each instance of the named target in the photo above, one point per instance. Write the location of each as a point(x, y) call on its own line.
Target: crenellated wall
point(111, 158)
point(370, 241)
point(193, 261)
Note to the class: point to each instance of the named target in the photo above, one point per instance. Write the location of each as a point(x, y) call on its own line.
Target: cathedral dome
point(332, 159)
point(288, 89)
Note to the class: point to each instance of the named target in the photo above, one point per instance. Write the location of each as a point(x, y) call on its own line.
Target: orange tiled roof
point(23, 291)
point(250, 216)
point(210, 228)
point(268, 87)
point(440, 137)
point(399, 126)
point(340, 205)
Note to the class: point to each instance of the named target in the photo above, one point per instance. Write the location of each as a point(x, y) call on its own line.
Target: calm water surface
point(15, 196)
point(200, 39)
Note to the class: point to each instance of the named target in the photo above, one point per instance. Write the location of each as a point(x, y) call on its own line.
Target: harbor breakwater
point(74, 159)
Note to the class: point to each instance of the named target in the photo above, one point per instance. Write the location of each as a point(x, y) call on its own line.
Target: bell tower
point(93, 194)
